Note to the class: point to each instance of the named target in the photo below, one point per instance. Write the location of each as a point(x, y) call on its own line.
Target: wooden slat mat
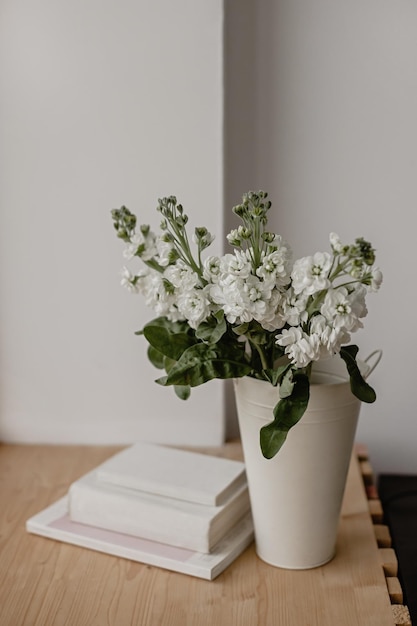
point(384, 537)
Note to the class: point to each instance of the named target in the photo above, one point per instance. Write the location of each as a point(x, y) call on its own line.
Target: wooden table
point(48, 583)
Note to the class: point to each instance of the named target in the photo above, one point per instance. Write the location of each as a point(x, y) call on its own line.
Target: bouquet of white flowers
point(252, 312)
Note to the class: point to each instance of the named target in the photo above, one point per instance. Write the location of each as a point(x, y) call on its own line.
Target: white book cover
point(55, 523)
point(175, 473)
point(158, 518)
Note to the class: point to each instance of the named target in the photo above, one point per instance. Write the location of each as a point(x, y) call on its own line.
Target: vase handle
point(376, 355)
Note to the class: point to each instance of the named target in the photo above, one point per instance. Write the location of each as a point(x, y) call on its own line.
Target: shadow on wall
point(244, 121)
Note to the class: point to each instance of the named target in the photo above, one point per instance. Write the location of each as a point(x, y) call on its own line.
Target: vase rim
point(334, 378)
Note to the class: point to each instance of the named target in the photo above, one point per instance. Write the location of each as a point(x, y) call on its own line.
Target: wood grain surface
point(48, 583)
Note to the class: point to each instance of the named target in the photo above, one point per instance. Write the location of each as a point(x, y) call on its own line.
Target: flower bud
point(233, 238)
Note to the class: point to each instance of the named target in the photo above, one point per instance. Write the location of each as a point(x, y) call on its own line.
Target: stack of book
point(181, 510)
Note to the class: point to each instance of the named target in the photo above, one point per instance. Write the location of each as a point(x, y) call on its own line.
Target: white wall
point(333, 139)
point(103, 103)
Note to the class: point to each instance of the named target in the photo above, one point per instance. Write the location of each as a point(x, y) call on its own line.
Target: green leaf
point(213, 329)
point(242, 329)
point(156, 358)
point(202, 362)
point(287, 412)
point(154, 265)
point(257, 334)
point(358, 385)
point(168, 337)
point(275, 375)
point(182, 391)
point(173, 327)
point(168, 363)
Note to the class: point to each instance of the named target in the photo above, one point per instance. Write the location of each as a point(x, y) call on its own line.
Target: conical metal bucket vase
point(296, 496)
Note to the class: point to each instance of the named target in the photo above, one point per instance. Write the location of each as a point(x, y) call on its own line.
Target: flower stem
point(260, 352)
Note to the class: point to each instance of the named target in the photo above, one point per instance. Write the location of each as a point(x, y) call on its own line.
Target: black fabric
point(398, 495)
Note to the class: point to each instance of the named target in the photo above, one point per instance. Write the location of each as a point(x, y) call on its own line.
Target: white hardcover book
point(55, 523)
point(175, 473)
point(158, 518)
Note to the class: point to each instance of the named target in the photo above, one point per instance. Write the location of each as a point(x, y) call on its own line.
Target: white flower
point(376, 279)
point(237, 264)
point(181, 276)
point(255, 296)
point(241, 300)
point(244, 299)
point(234, 238)
point(273, 318)
point(227, 294)
point(194, 306)
point(131, 248)
point(211, 269)
point(343, 308)
point(159, 297)
point(142, 246)
point(300, 348)
point(165, 249)
point(310, 274)
point(331, 338)
point(294, 307)
point(129, 281)
point(335, 243)
point(235, 289)
point(275, 266)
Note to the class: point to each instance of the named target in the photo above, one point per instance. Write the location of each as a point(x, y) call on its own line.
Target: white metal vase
point(296, 496)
